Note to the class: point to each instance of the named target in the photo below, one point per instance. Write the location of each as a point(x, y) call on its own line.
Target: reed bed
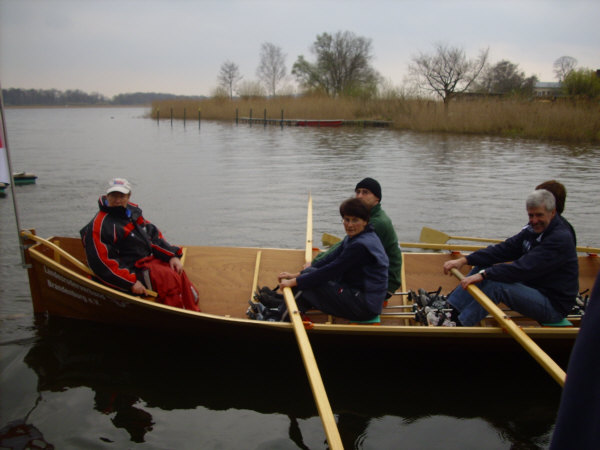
point(577, 122)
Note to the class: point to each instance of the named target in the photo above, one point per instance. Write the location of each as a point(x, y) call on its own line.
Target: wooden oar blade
point(433, 236)
point(329, 239)
point(439, 237)
point(312, 371)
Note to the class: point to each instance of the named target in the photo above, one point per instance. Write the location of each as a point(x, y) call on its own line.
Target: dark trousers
point(336, 299)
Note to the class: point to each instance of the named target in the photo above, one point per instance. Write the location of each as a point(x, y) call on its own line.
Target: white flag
point(4, 173)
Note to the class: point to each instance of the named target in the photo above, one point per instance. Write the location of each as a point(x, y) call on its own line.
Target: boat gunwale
point(313, 328)
point(123, 296)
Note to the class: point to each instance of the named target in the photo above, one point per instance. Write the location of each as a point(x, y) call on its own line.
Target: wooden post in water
point(236, 116)
point(183, 117)
point(250, 116)
point(157, 116)
point(171, 116)
point(265, 118)
point(282, 118)
point(199, 117)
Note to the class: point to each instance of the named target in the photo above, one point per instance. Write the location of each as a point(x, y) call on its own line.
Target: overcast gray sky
point(178, 46)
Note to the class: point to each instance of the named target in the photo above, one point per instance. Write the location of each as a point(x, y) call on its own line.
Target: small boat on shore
point(21, 178)
point(319, 123)
point(227, 277)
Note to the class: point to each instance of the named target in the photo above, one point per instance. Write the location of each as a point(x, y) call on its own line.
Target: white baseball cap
point(119, 185)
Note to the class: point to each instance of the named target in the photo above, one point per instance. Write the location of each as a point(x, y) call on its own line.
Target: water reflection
point(133, 375)
point(223, 184)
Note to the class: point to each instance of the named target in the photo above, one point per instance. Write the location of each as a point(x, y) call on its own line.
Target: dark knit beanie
point(370, 184)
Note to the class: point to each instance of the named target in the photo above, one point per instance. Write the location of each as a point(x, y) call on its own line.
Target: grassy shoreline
point(574, 122)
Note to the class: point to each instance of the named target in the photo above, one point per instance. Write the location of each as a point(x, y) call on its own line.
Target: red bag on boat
point(173, 289)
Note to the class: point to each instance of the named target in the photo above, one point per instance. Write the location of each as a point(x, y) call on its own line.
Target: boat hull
point(224, 279)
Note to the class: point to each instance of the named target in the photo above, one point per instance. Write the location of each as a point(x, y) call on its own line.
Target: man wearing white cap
point(120, 245)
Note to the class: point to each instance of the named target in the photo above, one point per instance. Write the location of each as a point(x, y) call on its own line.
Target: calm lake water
point(222, 184)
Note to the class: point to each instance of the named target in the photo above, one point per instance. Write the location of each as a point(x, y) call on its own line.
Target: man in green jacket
point(369, 191)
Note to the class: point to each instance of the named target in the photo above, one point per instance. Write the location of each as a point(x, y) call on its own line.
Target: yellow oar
point(329, 239)
point(67, 256)
point(438, 237)
point(255, 279)
point(450, 247)
point(516, 332)
point(309, 231)
point(308, 357)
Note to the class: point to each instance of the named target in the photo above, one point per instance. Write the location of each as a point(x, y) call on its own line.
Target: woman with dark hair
point(351, 281)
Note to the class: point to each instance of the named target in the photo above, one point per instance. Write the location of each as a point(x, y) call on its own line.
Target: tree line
point(54, 97)
point(342, 67)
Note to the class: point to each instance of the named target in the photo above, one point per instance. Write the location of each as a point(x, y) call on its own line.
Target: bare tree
point(229, 76)
point(271, 70)
point(447, 71)
point(342, 67)
point(563, 66)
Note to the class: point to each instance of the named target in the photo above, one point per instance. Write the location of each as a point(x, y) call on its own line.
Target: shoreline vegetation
point(561, 120)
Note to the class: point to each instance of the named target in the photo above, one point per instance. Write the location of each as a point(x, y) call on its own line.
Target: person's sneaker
point(437, 318)
point(255, 311)
point(432, 317)
point(422, 299)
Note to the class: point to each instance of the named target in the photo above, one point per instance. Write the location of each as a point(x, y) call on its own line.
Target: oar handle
point(67, 255)
point(476, 239)
point(451, 247)
point(308, 357)
point(516, 332)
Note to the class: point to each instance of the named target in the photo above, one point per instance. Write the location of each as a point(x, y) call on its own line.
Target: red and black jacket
point(116, 238)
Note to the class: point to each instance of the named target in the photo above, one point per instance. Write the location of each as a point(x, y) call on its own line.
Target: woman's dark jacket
point(359, 262)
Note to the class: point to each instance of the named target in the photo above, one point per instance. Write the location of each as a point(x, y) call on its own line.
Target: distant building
point(547, 89)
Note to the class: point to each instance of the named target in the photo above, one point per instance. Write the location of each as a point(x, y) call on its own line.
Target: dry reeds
point(559, 120)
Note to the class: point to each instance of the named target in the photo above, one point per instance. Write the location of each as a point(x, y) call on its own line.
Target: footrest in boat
point(563, 323)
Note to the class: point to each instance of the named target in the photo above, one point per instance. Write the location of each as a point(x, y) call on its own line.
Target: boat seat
point(563, 323)
point(374, 321)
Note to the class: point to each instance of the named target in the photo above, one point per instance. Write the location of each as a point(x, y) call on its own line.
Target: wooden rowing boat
point(61, 286)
